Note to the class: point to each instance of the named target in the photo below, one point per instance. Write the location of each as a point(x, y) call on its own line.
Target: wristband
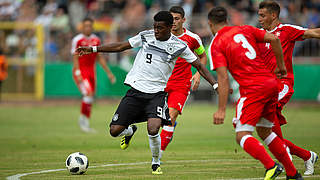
point(94, 49)
point(77, 72)
point(215, 86)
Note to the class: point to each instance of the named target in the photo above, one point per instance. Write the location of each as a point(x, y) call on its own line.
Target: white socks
point(126, 132)
point(155, 143)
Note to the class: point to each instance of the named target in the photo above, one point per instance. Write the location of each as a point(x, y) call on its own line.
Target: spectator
point(60, 22)
point(77, 12)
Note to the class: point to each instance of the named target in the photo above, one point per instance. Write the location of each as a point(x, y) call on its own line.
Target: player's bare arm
point(112, 47)
point(105, 67)
point(223, 90)
point(311, 33)
point(196, 77)
point(204, 71)
point(275, 43)
point(76, 68)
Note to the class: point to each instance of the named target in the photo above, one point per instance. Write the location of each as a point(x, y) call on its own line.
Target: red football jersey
point(288, 35)
point(86, 62)
point(235, 47)
point(181, 74)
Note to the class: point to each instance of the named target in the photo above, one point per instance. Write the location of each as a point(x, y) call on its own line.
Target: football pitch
point(39, 137)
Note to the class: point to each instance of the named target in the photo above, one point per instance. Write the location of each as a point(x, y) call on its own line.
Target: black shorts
point(138, 107)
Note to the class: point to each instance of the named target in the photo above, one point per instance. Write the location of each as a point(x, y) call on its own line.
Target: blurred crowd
point(61, 20)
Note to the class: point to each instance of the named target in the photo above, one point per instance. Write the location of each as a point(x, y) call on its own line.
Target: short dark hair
point(87, 19)
point(177, 9)
point(218, 15)
point(164, 16)
point(271, 6)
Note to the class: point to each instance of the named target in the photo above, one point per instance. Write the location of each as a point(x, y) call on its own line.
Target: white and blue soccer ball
point(77, 163)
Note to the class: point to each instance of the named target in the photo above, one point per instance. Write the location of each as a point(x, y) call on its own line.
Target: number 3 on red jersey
point(239, 38)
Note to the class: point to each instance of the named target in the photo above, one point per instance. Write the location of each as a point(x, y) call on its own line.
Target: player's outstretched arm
point(112, 47)
point(311, 33)
point(223, 81)
point(204, 71)
point(275, 43)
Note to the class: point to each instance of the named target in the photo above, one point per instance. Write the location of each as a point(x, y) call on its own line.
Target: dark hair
point(87, 19)
point(164, 16)
point(218, 15)
point(177, 9)
point(271, 6)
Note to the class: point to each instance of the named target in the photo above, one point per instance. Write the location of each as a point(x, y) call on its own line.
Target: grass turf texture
point(35, 138)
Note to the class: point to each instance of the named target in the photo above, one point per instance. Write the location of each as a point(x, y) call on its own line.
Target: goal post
point(13, 87)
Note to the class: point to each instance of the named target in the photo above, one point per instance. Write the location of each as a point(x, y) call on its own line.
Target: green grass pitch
point(40, 137)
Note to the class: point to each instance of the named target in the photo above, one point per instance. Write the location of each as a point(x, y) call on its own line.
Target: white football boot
point(85, 125)
point(309, 164)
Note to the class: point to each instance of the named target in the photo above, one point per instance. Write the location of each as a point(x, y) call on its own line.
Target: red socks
point(298, 151)
point(253, 147)
point(86, 106)
point(166, 136)
point(278, 149)
point(295, 150)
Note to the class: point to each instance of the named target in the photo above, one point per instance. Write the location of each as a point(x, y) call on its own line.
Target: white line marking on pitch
point(18, 176)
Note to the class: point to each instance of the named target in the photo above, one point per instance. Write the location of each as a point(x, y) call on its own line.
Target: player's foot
point(295, 177)
point(85, 125)
point(156, 169)
point(125, 140)
point(309, 164)
point(273, 172)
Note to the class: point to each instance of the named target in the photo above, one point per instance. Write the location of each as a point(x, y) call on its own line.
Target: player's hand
point(218, 117)
point(112, 78)
point(280, 72)
point(196, 81)
point(84, 50)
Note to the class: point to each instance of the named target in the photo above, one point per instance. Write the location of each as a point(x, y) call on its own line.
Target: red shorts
point(261, 104)
point(87, 85)
point(177, 96)
point(285, 93)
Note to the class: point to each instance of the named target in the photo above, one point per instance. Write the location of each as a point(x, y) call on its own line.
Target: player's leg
point(176, 101)
point(309, 157)
point(128, 110)
point(86, 88)
point(154, 142)
point(274, 143)
point(247, 115)
point(167, 130)
point(277, 148)
point(157, 113)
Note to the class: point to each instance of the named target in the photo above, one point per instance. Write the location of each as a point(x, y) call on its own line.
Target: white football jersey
point(155, 61)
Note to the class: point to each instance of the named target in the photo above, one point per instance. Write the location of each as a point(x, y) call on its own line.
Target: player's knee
point(153, 131)
point(87, 99)
point(114, 131)
point(241, 134)
point(263, 132)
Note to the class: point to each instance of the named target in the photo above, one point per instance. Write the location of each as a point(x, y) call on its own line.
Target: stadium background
point(35, 36)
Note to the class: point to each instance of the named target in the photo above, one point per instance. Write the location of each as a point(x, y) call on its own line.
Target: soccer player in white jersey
point(288, 34)
point(146, 100)
point(179, 83)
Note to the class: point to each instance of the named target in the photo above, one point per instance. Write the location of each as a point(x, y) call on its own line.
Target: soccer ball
point(77, 163)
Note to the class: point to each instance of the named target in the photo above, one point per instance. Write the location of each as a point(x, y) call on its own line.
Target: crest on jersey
point(115, 117)
point(170, 48)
